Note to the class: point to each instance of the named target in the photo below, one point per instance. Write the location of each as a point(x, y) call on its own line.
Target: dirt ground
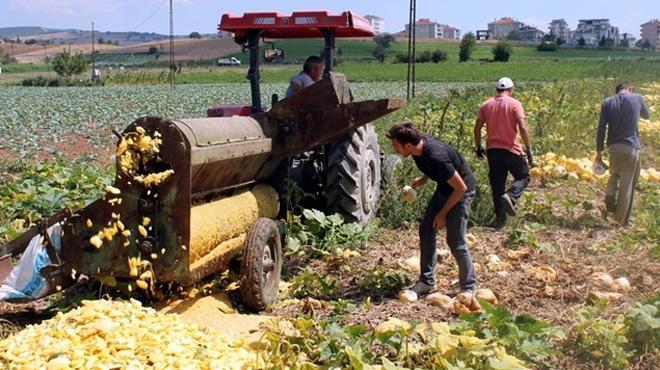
point(575, 253)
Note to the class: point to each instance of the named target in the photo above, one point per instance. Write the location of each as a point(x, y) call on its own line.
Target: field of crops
point(570, 290)
point(33, 119)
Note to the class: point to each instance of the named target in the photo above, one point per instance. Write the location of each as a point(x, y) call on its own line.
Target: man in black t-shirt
point(449, 206)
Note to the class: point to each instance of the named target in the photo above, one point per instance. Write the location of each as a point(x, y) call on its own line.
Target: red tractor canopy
point(251, 27)
point(299, 25)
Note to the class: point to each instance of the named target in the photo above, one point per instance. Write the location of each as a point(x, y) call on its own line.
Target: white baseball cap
point(504, 83)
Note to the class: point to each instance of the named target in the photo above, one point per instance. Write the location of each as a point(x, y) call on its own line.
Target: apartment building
point(560, 29)
point(450, 33)
point(530, 34)
point(428, 29)
point(377, 23)
point(651, 31)
point(502, 27)
point(593, 30)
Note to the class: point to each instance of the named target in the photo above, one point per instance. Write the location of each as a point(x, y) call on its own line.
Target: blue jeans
point(456, 226)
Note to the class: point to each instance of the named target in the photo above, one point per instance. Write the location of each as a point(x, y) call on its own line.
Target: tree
point(67, 65)
point(438, 56)
point(502, 51)
point(101, 41)
point(384, 40)
point(513, 35)
point(402, 58)
point(379, 53)
point(195, 35)
point(468, 43)
point(605, 43)
point(582, 42)
point(153, 50)
point(550, 37)
point(560, 41)
point(547, 46)
point(424, 57)
point(646, 44)
point(624, 43)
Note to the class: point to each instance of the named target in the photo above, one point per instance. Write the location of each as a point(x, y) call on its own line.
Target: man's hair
point(311, 62)
point(622, 86)
point(405, 133)
point(500, 90)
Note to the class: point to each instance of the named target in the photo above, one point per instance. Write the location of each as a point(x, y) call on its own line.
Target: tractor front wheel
point(261, 265)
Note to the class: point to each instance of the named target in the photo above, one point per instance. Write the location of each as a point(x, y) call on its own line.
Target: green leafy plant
point(393, 345)
point(380, 281)
point(502, 51)
point(317, 235)
point(643, 324)
point(597, 339)
point(44, 189)
point(523, 236)
point(311, 284)
point(523, 336)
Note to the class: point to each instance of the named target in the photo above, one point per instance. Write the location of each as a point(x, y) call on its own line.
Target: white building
point(559, 28)
point(501, 28)
point(428, 29)
point(377, 23)
point(593, 30)
point(449, 32)
point(530, 34)
point(651, 31)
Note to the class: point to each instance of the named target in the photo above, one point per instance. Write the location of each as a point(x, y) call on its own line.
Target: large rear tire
point(353, 175)
point(261, 265)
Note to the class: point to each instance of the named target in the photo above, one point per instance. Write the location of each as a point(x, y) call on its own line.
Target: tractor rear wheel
point(261, 264)
point(353, 175)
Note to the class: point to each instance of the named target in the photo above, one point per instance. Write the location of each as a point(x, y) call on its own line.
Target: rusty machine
point(189, 195)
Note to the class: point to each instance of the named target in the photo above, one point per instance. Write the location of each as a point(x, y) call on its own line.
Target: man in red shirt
point(505, 122)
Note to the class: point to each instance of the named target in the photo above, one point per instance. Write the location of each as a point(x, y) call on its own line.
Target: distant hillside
point(75, 36)
point(12, 32)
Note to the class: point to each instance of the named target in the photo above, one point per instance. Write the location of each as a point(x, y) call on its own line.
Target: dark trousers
point(456, 226)
point(501, 162)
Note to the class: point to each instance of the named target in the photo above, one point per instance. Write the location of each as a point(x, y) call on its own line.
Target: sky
point(203, 15)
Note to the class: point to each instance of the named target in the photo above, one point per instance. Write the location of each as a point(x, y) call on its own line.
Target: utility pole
point(414, 44)
point(172, 67)
point(410, 85)
point(93, 55)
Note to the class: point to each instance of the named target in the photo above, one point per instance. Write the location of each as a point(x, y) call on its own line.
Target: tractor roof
point(298, 25)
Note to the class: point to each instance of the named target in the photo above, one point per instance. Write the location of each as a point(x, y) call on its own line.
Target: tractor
point(344, 176)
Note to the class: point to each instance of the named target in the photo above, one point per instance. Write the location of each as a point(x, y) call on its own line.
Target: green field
point(295, 51)
point(530, 70)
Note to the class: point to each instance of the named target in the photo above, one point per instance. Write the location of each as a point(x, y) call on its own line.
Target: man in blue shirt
point(619, 116)
point(449, 206)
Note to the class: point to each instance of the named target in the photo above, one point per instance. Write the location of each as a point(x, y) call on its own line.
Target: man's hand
point(418, 182)
point(480, 152)
point(439, 221)
point(530, 157)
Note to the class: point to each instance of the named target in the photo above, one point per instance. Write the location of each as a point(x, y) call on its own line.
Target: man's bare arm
point(523, 127)
point(477, 131)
